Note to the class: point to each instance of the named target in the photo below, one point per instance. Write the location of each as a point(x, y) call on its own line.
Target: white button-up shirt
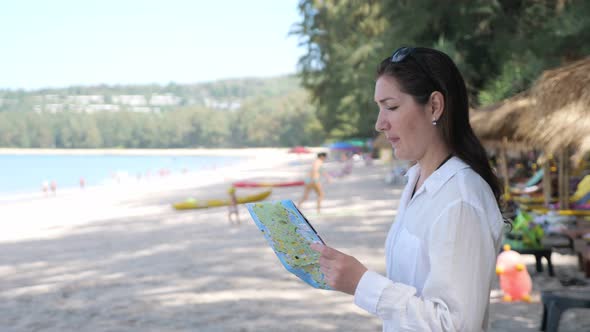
point(441, 253)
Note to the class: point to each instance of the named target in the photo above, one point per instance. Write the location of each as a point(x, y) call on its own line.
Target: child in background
point(233, 207)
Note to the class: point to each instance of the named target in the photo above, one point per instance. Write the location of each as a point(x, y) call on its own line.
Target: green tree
point(273, 112)
point(500, 46)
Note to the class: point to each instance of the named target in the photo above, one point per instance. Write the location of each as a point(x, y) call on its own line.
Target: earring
point(434, 122)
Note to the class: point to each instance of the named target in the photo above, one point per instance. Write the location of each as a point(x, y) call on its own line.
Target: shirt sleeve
point(462, 254)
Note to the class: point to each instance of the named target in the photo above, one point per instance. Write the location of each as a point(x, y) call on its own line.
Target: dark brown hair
point(427, 70)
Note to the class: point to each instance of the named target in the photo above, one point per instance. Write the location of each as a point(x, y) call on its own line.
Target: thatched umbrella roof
point(561, 117)
point(501, 120)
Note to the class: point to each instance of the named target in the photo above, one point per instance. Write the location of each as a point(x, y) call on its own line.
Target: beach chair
point(535, 179)
point(580, 197)
point(580, 202)
point(582, 194)
point(530, 186)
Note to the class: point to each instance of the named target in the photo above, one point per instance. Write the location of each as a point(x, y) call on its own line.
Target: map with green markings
point(290, 235)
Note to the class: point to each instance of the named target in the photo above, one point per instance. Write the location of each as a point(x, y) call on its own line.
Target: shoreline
point(254, 159)
point(43, 216)
point(154, 152)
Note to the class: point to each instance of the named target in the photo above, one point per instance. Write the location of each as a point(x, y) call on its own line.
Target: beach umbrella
point(299, 150)
point(357, 142)
point(561, 123)
point(344, 146)
point(502, 120)
point(562, 110)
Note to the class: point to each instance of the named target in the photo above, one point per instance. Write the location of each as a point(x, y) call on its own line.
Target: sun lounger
point(535, 179)
point(529, 187)
point(580, 202)
point(579, 199)
point(582, 193)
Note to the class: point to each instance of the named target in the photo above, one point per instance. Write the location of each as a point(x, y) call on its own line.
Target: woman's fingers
point(325, 251)
point(316, 247)
point(341, 272)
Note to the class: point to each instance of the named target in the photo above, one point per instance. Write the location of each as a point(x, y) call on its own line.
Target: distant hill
point(229, 113)
point(221, 95)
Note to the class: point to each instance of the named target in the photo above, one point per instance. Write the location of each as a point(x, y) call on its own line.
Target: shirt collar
point(437, 179)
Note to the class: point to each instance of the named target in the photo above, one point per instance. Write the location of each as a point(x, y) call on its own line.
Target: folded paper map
point(290, 235)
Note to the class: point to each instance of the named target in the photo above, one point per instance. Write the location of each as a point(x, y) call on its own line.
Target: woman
point(312, 181)
point(442, 248)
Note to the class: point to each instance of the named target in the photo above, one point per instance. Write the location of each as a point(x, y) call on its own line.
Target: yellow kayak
point(203, 204)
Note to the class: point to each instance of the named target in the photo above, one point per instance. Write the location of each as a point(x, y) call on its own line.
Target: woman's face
point(406, 124)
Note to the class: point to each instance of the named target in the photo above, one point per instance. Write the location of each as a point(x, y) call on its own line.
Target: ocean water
point(27, 173)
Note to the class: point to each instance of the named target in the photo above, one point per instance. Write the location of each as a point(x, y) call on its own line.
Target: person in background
point(45, 187)
point(347, 165)
point(312, 181)
point(441, 250)
point(368, 158)
point(53, 187)
point(233, 207)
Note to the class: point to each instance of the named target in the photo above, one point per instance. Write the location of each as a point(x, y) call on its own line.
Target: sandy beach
point(121, 259)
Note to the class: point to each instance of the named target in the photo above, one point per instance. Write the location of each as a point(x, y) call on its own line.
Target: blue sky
point(58, 43)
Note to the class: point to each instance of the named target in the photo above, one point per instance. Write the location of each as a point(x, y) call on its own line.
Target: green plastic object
point(524, 233)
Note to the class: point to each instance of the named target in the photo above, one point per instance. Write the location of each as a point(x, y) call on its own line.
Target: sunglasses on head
point(403, 53)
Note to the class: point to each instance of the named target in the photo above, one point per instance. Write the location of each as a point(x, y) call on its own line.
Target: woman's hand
point(342, 272)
